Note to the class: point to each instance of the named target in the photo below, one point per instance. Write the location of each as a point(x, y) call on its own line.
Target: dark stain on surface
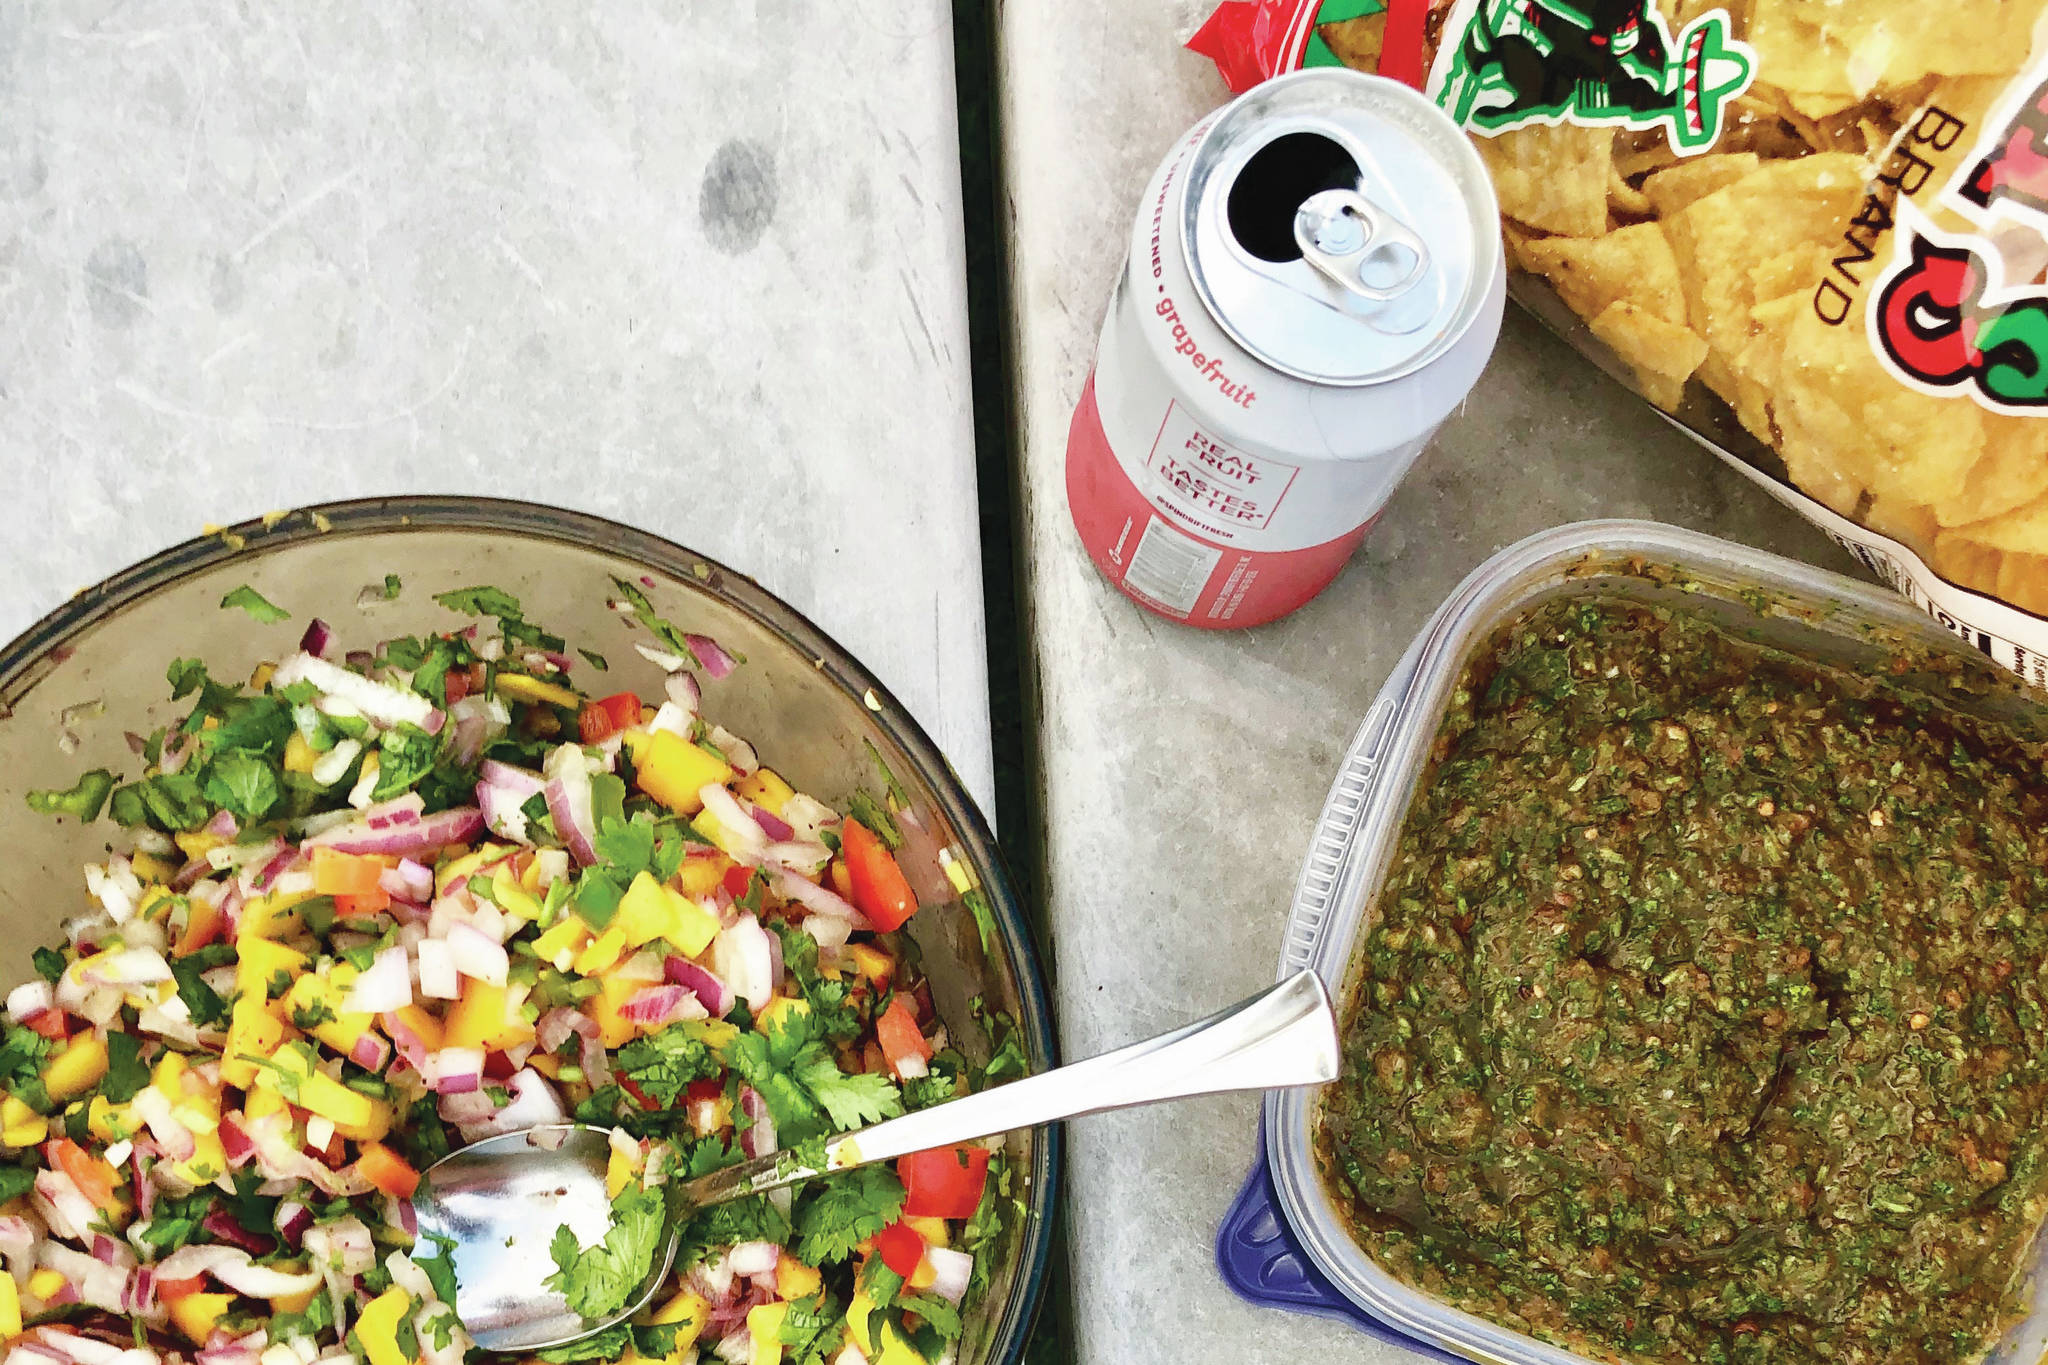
point(737, 200)
point(116, 282)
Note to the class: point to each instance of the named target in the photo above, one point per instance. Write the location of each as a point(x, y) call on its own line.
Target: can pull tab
point(1359, 246)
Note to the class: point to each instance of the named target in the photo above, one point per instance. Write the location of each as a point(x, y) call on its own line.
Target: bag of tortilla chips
point(1813, 232)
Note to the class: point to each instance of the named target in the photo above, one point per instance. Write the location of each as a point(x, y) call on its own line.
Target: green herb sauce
point(1703, 1018)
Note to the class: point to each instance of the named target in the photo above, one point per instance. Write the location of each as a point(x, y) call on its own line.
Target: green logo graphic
point(1597, 61)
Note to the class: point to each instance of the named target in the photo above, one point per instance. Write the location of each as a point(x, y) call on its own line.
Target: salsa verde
point(1703, 1014)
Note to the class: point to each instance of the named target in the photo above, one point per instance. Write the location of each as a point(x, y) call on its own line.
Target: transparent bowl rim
point(28, 654)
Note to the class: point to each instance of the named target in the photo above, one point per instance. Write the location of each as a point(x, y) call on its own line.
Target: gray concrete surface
point(681, 265)
point(1182, 770)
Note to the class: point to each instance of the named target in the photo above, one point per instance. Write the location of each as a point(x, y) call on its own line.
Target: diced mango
point(521, 687)
point(559, 946)
point(264, 1102)
point(295, 1303)
point(794, 1279)
point(209, 1160)
point(933, 1230)
point(603, 952)
point(377, 1327)
point(77, 1069)
point(779, 1006)
point(253, 1033)
point(425, 1026)
point(873, 963)
point(152, 871)
point(924, 1276)
point(896, 1349)
point(672, 770)
point(197, 843)
point(259, 962)
point(513, 898)
point(203, 920)
point(766, 789)
point(459, 870)
point(21, 1126)
point(619, 1171)
point(374, 1130)
point(480, 1019)
point(702, 872)
point(45, 1282)
point(314, 995)
point(717, 835)
point(274, 916)
point(106, 1121)
point(197, 1315)
point(299, 756)
point(10, 1308)
point(858, 1310)
point(613, 1028)
point(764, 1325)
point(689, 1312)
point(651, 911)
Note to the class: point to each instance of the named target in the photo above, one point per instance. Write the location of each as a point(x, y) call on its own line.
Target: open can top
point(1339, 227)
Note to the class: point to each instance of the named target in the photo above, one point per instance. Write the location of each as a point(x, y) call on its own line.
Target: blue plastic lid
point(1263, 1264)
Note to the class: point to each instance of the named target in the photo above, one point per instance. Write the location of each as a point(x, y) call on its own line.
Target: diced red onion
point(381, 702)
point(815, 898)
point(742, 957)
point(189, 875)
point(759, 1139)
point(456, 1070)
point(533, 1103)
point(755, 1258)
point(174, 754)
point(711, 655)
point(438, 977)
point(477, 956)
point(235, 1142)
point(457, 825)
point(681, 688)
point(278, 863)
point(409, 1044)
point(466, 1108)
point(920, 861)
point(370, 1052)
point(261, 1281)
point(153, 1107)
point(658, 1006)
point(399, 810)
point(711, 992)
point(386, 986)
point(727, 811)
point(30, 999)
point(597, 1067)
point(319, 635)
point(293, 1218)
point(569, 802)
point(951, 1272)
point(773, 825)
point(434, 721)
point(222, 825)
point(75, 1349)
point(830, 931)
point(224, 1228)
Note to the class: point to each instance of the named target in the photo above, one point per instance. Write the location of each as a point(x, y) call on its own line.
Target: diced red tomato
point(945, 1182)
point(51, 1023)
point(701, 1091)
point(95, 1179)
point(737, 879)
point(901, 1249)
point(171, 1290)
point(387, 1170)
point(605, 717)
point(880, 890)
point(899, 1035)
point(498, 1067)
point(362, 903)
point(639, 1095)
point(458, 686)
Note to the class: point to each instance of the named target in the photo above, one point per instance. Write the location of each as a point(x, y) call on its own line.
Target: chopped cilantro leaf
point(16, 1181)
point(125, 1072)
point(876, 817)
point(843, 1210)
point(610, 1344)
point(393, 585)
point(595, 660)
point(439, 1267)
point(656, 625)
point(405, 755)
point(243, 783)
point(663, 1065)
point(253, 602)
point(480, 601)
point(49, 964)
point(598, 1281)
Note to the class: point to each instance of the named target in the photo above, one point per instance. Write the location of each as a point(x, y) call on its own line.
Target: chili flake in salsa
point(1703, 1017)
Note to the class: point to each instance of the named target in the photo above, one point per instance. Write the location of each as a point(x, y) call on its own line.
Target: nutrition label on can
point(1169, 568)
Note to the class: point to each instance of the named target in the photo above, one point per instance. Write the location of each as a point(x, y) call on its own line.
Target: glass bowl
point(75, 683)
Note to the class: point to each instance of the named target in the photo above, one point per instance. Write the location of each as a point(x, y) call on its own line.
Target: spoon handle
point(1286, 1035)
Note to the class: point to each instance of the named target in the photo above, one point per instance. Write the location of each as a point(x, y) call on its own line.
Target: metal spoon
point(500, 1200)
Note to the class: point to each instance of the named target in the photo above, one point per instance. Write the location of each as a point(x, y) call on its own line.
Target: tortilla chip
point(1592, 273)
point(1818, 47)
point(2011, 474)
point(2023, 581)
point(2023, 530)
point(1965, 562)
point(1910, 524)
point(1749, 378)
point(1625, 198)
point(1675, 188)
point(1357, 42)
point(1719, 237)
point(1554, 179)
point(1844, 411)
point(1663, 353)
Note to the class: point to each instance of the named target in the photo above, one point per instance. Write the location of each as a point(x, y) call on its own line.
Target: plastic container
point(95, 668)
point(1283, 1244)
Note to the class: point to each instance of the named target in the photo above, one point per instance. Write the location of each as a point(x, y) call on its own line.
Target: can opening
point(1275, 182)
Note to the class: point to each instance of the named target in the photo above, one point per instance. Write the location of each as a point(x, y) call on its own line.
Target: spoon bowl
point(500, 1201)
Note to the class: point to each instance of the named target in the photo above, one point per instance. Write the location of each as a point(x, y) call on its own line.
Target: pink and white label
point(1221, 491)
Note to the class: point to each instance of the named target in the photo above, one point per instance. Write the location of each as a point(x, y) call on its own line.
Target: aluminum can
point(1315, 282)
